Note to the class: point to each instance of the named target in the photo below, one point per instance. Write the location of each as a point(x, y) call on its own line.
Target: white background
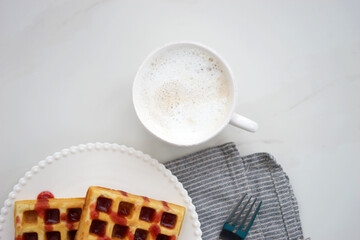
point(67, 66)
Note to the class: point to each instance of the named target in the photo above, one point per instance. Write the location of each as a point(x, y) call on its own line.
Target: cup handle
point(242, 122)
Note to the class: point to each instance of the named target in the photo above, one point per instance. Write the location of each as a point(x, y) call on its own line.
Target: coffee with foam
point(183, 94)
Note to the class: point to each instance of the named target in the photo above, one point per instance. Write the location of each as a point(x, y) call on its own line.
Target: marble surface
point(67, 66)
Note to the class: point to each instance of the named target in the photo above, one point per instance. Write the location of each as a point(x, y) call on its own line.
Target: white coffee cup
point(177, 109)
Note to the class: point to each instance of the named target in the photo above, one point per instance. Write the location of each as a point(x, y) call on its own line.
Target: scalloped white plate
point(70, 172)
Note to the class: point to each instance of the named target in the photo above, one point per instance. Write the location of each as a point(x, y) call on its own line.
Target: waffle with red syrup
point(112, 214)
point(47, 218)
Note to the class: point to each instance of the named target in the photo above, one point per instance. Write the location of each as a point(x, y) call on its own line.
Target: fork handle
point(227, 235)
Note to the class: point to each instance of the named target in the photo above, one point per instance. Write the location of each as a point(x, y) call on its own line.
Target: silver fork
point(229, 232)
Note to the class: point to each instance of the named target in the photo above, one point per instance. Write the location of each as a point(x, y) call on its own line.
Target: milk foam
point(183, 94)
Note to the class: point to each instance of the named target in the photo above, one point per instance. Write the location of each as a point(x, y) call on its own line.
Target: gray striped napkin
point(216, 177)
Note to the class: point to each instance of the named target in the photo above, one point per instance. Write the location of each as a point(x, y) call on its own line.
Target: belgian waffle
point(112, 214)
point(47, 219)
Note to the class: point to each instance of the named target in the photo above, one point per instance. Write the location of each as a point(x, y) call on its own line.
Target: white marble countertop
point(66, 72)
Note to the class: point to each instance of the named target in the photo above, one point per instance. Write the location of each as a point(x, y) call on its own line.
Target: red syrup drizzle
point(158, 216)
point(17, 220)
point(49, 228)
point(146, 199)
point(20, 237)
point(130, 235)
point(154, 230)
point(166, 205)
point(45, 195)
point(104, 238)
point(173, 237)
point(42, 203)
point(69, 225)
point(117, 219)
point(93, 213)
point(123, 193)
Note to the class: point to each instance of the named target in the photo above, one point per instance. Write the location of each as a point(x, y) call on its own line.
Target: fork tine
point(241, 211)
point(235, 208)
point(253, 217)
point(247, 214)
